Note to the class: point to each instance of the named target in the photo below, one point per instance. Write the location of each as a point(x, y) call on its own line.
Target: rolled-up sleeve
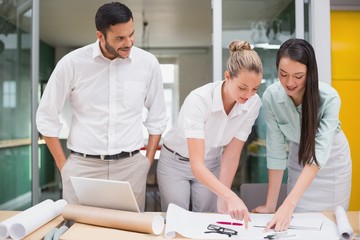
point(156, 119)
point(53, 100)
point(195, 113)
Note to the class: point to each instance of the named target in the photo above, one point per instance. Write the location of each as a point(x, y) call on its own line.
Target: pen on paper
point(279, 235)
point(230, 223)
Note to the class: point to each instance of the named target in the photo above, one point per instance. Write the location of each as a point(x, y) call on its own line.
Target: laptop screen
point(105, 193)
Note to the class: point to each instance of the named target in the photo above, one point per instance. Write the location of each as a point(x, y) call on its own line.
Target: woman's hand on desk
point(282, 218)
point(234, 206)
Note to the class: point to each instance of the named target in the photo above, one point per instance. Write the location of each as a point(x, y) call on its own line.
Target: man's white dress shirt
point(107, 98)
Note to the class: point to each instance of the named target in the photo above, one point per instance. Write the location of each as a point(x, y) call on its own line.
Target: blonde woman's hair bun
point(239, 45)
point(241, 58)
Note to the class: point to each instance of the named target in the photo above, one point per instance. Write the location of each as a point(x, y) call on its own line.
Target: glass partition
point(15, 104)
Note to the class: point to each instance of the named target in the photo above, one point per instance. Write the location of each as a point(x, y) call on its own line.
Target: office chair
point(254, 194)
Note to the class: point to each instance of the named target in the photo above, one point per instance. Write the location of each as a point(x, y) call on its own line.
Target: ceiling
point(170, 23)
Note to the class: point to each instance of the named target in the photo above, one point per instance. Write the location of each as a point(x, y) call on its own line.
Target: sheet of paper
point(300, 221)
point(194, 225)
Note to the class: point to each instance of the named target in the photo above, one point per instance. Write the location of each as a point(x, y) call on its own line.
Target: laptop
point(105, 193)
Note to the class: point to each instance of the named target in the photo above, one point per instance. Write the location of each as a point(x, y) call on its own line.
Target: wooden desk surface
point(83, 231)
point(39, 233)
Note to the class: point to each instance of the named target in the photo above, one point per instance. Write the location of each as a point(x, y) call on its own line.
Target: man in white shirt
point(108, 83)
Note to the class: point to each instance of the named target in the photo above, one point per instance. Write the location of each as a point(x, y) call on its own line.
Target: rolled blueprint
point(33, 218)
point(344, 227)
point(5, 225)
point(130, 221)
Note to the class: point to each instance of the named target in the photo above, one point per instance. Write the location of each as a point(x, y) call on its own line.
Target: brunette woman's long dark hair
point(301, 51)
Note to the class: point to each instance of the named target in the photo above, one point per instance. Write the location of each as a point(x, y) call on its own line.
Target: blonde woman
point(201, 153)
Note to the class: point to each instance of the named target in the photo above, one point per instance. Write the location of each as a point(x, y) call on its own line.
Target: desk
point(83, 231)
point(39, 233)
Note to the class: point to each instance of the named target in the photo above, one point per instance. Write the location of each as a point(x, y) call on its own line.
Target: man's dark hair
point(110, 14)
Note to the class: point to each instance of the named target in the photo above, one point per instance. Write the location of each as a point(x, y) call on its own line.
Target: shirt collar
point(217, 99)
point(284, 98)
point(96, 50)
point(219, 106)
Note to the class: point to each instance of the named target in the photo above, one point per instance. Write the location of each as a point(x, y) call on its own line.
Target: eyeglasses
point(221, 230)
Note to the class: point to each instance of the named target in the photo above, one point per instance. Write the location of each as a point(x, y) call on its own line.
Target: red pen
point(230, 223)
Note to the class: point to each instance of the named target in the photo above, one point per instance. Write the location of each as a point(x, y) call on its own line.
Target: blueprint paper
point(344, 227)
point(34, 218)
point(5, 225)
point(300, 221)
point(23, 223)
point(193, 225)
